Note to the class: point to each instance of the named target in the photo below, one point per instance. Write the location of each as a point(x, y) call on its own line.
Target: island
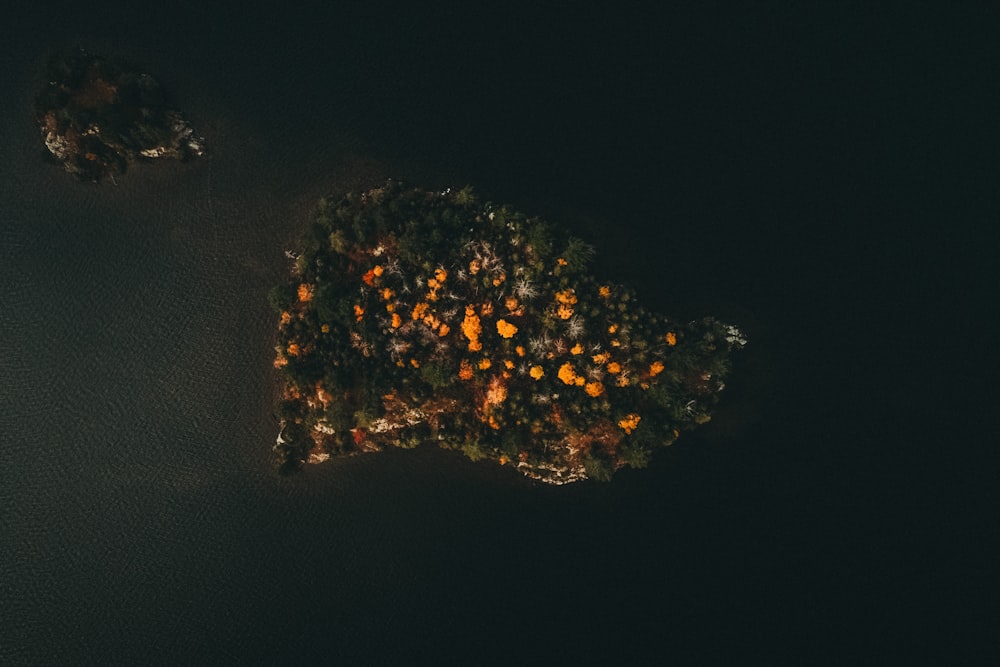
point(96, 115)
point(411, 317)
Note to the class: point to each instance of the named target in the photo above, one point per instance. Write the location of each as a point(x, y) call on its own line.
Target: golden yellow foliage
point(485, 363)
point(497, 393)
point(671, 339)
point(614, 367)
point(630, 422)
point(567, 374)
point(656, 368)
point(465, 370)
point(305, 292)
point(471, 327)
point(505, 328)
point(420, 310)
point(566, 297)
point(536, 372)
point(576, 349)
point(594, 389)
point(397, 321)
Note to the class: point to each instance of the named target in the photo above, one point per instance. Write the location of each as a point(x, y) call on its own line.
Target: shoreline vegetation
point(412, 317)
point(96, 115)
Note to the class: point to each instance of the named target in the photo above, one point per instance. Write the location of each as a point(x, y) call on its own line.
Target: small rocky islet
point(96, 115)
point(412, 316)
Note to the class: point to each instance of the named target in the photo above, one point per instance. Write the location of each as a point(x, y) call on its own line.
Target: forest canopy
point(412, 316)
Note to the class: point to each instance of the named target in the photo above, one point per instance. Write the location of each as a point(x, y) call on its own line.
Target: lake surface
point(724, 165)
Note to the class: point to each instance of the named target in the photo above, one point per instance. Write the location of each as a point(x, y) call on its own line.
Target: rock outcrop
point(96, 115)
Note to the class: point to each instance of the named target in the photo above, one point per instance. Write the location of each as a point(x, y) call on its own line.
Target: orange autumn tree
point(413, 316)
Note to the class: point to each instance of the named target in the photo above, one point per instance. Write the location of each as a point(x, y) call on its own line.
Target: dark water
point(787, 173)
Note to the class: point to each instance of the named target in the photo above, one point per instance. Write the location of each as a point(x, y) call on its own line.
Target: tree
point(281, 297)
point(473, 450)
point(598, 468)
point(635, 455)
point(577, 254)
